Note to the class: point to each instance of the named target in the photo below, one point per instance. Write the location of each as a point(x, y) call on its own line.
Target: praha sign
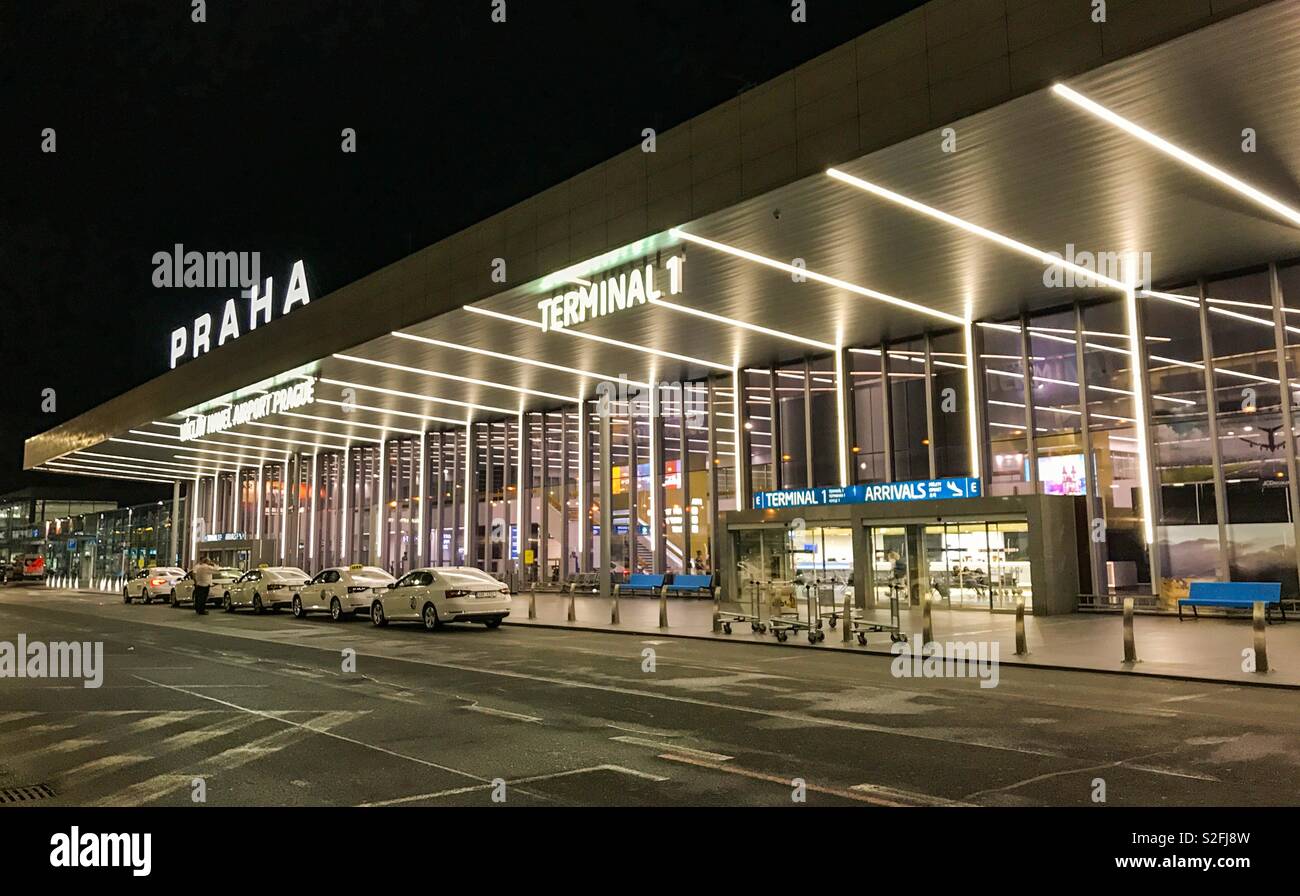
point(259, 306)
point(285, 399)
point(877, 492)
point(617, 292)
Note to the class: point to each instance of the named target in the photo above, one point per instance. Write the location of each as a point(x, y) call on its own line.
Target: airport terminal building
point(1000, 302)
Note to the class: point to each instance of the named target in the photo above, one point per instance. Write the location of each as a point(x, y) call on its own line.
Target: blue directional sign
point(876, 492)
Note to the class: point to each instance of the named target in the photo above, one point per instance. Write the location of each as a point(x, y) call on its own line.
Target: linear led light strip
point(428, 399)
point(815, 276)
point(55, 467)
point(592, 337)
point(378, 410)
point(487, 384)
point(186, 468)
point(742, 325)
point(1214, 173)
point(297, 442)
point(341, 435)
point(251, 460)
point(516, 359)
point(992, 236)
point(148, 466)
point(65, 467)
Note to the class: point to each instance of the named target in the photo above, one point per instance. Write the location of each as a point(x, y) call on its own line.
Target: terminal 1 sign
point(613, 293)
point(873, 493)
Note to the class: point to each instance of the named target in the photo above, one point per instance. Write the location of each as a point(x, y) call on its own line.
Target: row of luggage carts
point(809, 605)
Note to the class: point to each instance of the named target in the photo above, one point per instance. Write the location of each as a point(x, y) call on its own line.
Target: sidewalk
point(1210, 649)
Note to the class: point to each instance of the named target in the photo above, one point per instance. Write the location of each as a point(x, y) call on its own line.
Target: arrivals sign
point(249, 410)
point(876, 492)
point(589, 300)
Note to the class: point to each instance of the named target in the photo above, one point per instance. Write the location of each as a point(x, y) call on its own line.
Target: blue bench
point(641, 581)
point(1233, 595)
point(702, 586)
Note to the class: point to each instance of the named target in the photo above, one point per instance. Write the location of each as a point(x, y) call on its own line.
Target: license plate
point(487, 594)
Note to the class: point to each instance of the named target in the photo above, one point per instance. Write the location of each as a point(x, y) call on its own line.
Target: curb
point(1017, 664)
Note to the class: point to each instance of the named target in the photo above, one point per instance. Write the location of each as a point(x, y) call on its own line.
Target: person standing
point(202, 573)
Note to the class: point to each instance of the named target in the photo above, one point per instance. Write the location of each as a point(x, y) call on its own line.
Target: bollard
point(1022, 648)
point(927, 623)
point(848, 618)
point(663, 606)
point(532, 601)
point(1130, 648)
point(573, 602)
point(1260, 617)
point(717, 610)
point(614, 618)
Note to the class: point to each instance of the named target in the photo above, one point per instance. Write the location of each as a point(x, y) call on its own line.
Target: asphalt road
point(261, 709)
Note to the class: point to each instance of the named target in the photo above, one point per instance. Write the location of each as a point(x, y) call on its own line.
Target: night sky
point(225, 136)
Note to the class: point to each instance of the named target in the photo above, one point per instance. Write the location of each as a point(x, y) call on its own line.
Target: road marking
point(624, 770)
point(675, 748)
point(505, 714)
point(856, 796)
point(924, 799)
point(68, 746)
point(351, 740)
point(16, 716)
point(1198, 696)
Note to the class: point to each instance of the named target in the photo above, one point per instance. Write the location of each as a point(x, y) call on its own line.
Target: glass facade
point(1178, 458)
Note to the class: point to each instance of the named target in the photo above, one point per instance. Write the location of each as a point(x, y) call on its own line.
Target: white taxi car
point(443, 594)
point(267, 587)
point(341, 590)
point(183, 591)
point(151, 582)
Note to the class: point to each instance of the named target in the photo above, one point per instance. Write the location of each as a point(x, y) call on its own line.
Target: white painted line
point(502, 713)
point(923, 799)
point(623, 770)
point(675, 748)
point(354, 741)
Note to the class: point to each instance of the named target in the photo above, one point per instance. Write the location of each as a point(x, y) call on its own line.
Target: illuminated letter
point(229, 323)
point(297, 292)
point(178, 344)
point(202, 327)
point(259, 303)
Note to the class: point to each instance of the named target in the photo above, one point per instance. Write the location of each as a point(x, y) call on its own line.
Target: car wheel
point(227, 604)
point(257, 605)
point(173, 600)
point(298, 611)
point(126, 596)
point(336, 610)
point(430, 617)
point(145, 596)
point(377, 617)
point(493, 623)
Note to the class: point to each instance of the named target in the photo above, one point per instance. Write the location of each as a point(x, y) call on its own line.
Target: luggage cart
point(811, 622)
point(862, 627)
point(826, 597)
point(755, 617)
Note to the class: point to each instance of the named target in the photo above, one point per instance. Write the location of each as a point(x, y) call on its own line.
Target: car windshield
point(229, 573)
point(372, 573)
point(289, 572)
point(170, 571)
